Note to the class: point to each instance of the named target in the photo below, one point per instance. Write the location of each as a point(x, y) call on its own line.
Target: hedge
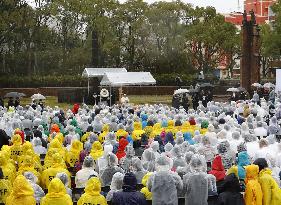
point(74, 80)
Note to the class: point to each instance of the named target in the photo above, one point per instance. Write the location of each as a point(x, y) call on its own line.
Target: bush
point(75, 80)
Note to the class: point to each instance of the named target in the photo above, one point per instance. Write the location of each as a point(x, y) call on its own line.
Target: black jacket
point(231, 192)
point(4, 138)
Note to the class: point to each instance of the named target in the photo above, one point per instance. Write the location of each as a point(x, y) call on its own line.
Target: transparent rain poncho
point(116, 185)
point(163, 179)
point(110, 170)
point(195, 183)
point(138, 169)
point(148, 160)
point(126, 162)
point(64, 179)
point(87, 170)
point(33, 180)
point(178, 159)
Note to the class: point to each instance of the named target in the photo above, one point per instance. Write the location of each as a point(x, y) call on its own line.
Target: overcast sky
point(222, 6)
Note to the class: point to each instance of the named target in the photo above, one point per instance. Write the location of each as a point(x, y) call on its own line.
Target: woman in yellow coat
point(56, 194)
point(5, 188)
point(147, 194)
point(105, 131)
point(138, 132)
point(92, 193)
point(22, 193)
point(9, 170)
point(270, 189)
point(253, 192)
point(73, 155)
point(97, 150)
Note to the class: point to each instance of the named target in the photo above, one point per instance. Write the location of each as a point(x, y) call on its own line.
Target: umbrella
point(232, 90)
point(180, 91)
point(269, 85)
point(38, 96)
point(193, 90)
point(204, 85)
point(241, 89)
point(256, 85)
point(14, 95)
point(22, 94)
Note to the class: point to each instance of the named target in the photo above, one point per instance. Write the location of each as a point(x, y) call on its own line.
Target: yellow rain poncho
point(51, 172)
point(56, 194)
point(58, 145)
point(171, 127)
point(97, 150)
point(28, 166)
point(156, 130)
point(105, 131)
point(147, 194)
point(22, 193)
point(48, 161)
point(137, 133)
point(121, 133)
point(92, 193)
point(60, 137)
point(16, 148)
point(35, 157)
point(73, 155)
point(5, 189)
point(148, 130)
point(270, 189)
point(85, 137)
point(8, 169)
point(185, 127)
point(253, 192)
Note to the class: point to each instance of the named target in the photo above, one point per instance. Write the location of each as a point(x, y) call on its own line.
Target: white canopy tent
point(125, 79)
point(128, 78)
point(99, 73)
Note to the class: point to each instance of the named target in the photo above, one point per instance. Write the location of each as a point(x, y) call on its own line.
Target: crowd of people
point(222, 153)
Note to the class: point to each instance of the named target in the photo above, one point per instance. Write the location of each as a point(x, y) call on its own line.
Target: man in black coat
point(4, 138)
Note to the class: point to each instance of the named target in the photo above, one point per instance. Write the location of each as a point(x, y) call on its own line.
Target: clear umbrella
point(38, 96)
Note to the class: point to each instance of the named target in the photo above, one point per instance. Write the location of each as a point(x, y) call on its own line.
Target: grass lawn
point(52, 101)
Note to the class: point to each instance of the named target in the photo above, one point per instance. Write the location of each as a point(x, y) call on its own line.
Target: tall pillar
point(250, 59)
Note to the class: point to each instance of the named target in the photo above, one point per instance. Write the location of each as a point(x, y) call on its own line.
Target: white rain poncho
point(236, 140)
point(184, 170)
point(97, 124)
point(113, 126)
point(178, 160)
point(196, 183)
point(33, 180)
point(84, 124)
point(110, 170)
point(168, 148)
point(102, 161)
point(37, 146)
point(260, 131)
point(127, 161)
point(148, 160)
point(87, 170)
point(164, 184)
point(116, 185)
point(138, 169)
point(64, 179)
point(207, 150)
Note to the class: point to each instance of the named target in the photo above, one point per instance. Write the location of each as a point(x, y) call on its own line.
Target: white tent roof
point(129, 78)
point(100, 72)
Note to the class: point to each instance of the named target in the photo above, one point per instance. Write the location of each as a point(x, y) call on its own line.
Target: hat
point(129, 182)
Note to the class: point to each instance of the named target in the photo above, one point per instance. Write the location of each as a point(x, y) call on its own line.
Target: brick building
point(262, 9)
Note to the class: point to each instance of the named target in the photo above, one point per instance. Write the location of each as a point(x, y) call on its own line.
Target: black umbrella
point(241, 89)
point(193, 90)
point(14, 95)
